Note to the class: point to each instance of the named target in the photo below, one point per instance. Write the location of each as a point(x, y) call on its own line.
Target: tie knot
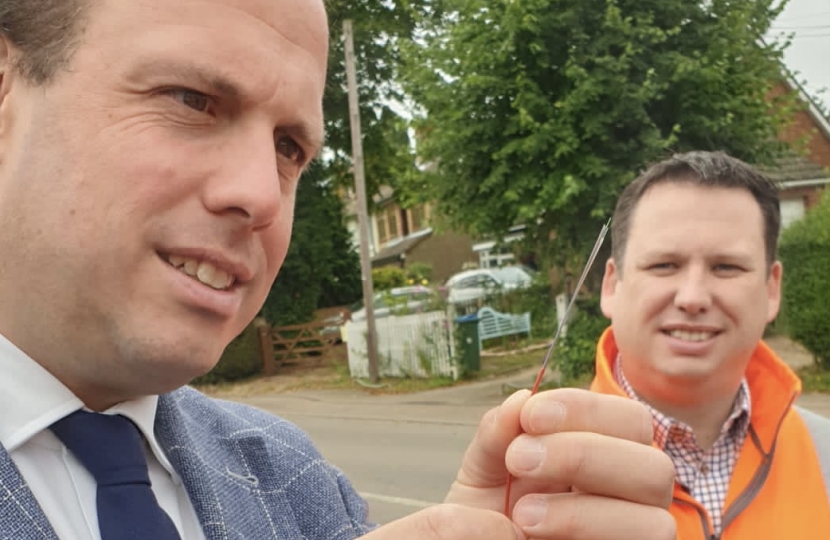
point(108, 446)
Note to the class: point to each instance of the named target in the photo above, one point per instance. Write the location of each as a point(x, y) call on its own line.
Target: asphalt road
point(402, 452)
point(398, 467)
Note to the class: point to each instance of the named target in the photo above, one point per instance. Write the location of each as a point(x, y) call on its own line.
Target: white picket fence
point(418, 345)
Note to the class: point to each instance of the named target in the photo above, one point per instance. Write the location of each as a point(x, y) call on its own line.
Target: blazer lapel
point(224, 470)
point(172, 433)
point(20, 514)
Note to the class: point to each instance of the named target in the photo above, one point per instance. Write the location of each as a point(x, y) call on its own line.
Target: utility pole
point(362, 213)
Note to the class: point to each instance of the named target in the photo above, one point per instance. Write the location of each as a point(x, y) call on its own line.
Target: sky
point(809, 53)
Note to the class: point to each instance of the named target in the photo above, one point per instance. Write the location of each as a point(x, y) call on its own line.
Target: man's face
point(147, 193)
point(693, 295)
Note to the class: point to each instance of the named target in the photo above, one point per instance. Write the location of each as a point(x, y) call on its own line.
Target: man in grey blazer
point(149, 156)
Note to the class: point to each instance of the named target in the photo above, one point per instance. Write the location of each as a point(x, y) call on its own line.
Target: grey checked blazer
point(250, 475)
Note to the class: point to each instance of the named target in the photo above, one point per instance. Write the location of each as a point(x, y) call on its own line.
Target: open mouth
point(202, 271)
point(690, 335)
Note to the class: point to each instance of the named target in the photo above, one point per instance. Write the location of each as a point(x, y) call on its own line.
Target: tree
point(540, 111)
point(322, 267)
point(379, 27)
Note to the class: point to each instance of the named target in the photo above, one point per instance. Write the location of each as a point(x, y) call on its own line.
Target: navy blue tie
point(111, 449)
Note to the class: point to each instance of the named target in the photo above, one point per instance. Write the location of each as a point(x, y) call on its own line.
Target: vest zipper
point(708, 533)
point(760, 477)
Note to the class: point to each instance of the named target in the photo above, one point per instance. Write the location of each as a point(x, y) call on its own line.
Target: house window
point(418, 218)
point(387, 222)
point(495, 257)
point(791, 210)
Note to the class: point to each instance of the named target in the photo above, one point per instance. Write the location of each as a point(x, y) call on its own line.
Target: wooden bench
point(492, 324)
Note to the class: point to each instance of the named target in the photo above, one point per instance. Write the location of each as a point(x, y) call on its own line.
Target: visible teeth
point(203, 271)
point(176, 260)
point(691, 336)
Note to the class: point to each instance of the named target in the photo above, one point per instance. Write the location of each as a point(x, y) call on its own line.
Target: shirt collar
point(32, 399)
point(738, 418)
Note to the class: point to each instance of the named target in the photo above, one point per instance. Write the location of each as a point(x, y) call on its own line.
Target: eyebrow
point(220, 85)
point(211, 81)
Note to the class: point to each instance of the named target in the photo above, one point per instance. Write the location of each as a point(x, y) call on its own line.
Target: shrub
point(321, 268)
point(419, 273)
point(388, 277)
point(536, 299)
point(805, 253)
point(242, 358)
point(576, 351)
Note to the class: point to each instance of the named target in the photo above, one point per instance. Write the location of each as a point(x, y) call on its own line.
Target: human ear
point(8, 77)
point(774, 290)
point(609, 288)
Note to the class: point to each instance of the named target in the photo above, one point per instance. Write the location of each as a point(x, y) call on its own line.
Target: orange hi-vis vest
point(780, 487)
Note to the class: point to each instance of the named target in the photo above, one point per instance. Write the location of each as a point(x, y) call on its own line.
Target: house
point(802, 177)
point(401, 237)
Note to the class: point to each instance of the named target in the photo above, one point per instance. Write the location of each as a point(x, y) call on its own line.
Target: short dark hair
point(710, 169)
point(45, 32)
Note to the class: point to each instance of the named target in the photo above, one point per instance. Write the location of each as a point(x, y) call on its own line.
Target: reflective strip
point(819, 428)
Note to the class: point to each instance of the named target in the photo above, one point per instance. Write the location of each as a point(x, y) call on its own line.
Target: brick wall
point(818, 143)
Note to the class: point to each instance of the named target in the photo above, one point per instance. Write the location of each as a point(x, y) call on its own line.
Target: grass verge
point(814, 379)
point(333, 374)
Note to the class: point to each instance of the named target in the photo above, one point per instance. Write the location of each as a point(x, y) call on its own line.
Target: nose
point(693, 295)
point(248, 188)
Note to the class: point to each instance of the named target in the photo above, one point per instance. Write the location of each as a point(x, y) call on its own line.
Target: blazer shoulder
point(229, 419)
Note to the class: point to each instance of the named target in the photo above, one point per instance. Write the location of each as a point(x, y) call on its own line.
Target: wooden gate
point(305, 343)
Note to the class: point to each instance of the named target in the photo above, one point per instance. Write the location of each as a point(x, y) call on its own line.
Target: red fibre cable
point(544, 368)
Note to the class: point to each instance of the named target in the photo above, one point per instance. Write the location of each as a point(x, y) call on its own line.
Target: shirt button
point(704, 469)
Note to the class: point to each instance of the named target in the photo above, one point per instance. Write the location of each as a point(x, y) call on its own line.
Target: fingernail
point(530, 512)
point(547, 416)
point(515, 396)
point(526, 453)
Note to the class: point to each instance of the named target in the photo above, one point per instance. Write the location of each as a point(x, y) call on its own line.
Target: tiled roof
point(793, 168)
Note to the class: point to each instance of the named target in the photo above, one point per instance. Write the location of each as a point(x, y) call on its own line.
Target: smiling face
point(147, 193)
point(694, 292)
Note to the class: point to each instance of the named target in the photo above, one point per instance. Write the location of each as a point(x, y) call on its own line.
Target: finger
point(596, 464)
point(483, 463)
point(579, 516)
point(449, 522)
point(573, 409)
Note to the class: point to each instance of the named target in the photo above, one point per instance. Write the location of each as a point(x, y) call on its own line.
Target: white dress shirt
point(31, 400)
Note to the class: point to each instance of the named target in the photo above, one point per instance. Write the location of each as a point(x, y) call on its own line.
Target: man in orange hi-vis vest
point(691, 284)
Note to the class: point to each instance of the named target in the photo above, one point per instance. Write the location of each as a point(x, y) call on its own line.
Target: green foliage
point(388, 277)
point(419, 273)
point(378, 26)
point(321, 268)
point(576, 352)
point(541, 111)
point(805, 253)
point(535, 299)
point(815, 379)
point(242, 358)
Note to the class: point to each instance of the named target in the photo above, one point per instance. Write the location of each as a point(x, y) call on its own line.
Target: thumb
point(449, 522)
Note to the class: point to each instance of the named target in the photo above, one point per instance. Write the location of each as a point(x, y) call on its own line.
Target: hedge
point(241, 359)
point(805, 254)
